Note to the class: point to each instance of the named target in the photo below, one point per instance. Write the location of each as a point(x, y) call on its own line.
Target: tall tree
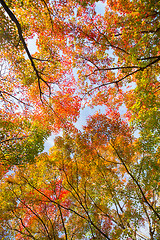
point(104, 178)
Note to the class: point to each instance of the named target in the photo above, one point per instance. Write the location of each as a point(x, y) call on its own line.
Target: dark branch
point(9, 94)
point(129, 74)
point(14, 19)
point(135, 181)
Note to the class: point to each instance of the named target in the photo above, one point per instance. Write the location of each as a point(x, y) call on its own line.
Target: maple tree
point(31, 208)
point(101, 182)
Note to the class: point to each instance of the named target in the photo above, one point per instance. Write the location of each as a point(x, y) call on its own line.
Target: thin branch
point(109, 69)
point(34, 214)
point(9, 94)
point(147, 58)
point(129, 74)
point(13, 139)
point(65, 231)
point(111, 45)
point(104, 214)
point(14, 19)
point(30, 235)
point(49, 12)
point(109, 83)
point(86, 211)
point(135, 181)
point(51, 200)
point(100, 156)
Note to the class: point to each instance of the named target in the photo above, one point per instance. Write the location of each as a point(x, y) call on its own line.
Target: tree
point(31, 208)
point(105, 190)
point(105, 177)
point(21, 140)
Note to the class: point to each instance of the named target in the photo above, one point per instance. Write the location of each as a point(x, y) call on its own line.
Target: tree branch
point(14, 19)
point(136, 182)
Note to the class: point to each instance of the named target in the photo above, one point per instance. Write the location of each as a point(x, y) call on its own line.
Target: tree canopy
point(100, 181)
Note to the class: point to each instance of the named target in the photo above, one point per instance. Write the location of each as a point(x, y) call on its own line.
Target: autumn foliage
point(59, 59)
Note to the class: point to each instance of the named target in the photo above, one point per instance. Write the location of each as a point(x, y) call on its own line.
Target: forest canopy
point(100, 180)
